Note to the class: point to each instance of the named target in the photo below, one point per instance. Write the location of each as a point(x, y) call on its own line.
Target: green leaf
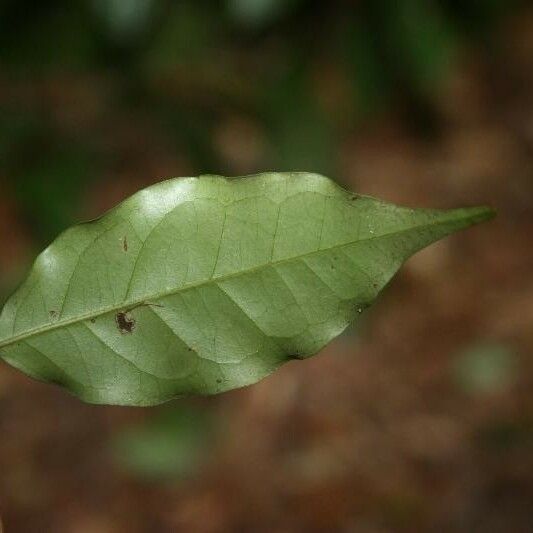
point(201, 285)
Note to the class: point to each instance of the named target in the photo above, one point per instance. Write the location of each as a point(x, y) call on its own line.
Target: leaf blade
point(199, 285)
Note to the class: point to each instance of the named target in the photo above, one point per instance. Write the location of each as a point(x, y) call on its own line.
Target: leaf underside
point(201, 285)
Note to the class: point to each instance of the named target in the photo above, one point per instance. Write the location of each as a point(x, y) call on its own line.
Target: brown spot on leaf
point(125, 323)
point(125, 243)
point(53, 314)
point(93, 320)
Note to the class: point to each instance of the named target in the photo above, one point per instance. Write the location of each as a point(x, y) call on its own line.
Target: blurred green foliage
point(485, 368)
point(171, 445)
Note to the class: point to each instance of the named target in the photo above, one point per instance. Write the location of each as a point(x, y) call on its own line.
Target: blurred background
point(420, 417)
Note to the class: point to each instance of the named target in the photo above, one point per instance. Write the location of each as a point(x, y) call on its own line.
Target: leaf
point(201, 285)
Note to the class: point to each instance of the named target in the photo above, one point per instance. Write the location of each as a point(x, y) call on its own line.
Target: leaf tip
point(462, 218)
point(480, 214)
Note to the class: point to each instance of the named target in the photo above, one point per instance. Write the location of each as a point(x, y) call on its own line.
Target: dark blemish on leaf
point(125, 243)
point(219, 380)
point(53, 314)
point(125, 323)
point(93, 320)
point(354, 198)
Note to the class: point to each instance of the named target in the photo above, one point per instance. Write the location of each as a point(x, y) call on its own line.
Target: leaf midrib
point(124, 306)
